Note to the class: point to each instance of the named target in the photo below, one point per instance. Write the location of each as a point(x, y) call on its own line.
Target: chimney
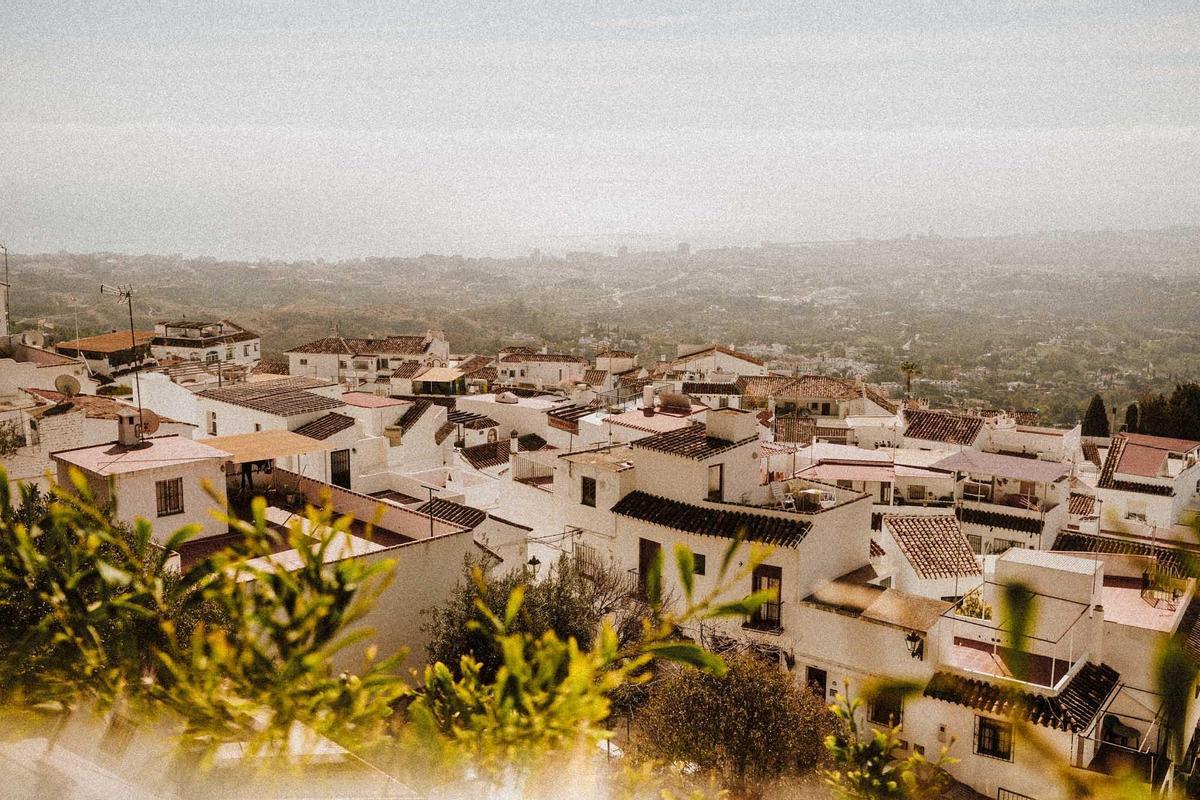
point(730, 424)
point(648, 400)
point(513, 444)
point(127, 434)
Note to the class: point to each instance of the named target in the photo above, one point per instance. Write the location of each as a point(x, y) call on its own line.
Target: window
point(716, 482)
point(845, 484)
point(825, 409)
point(916, 492)
point(649, 551)
point(228, 352)
point(1028, 489)
point(698, 563)
point(304, 362)
point(587, 491)
point(976, 542)
point(381, 363)
point(723, 402)
point(341, 363)
point(246, 350)
point(211, 357)
point(257, 427)
point(212, 423)
point(993, 738)
point(768, 616)
point(170, 496)
point(886, 708)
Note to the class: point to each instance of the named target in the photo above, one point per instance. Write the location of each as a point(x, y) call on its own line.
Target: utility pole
point(8, 291)
point(125, 293)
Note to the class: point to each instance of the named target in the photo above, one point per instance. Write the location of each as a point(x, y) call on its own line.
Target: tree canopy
point(1095, 420)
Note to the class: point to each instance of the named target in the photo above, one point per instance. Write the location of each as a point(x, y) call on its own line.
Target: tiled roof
point(696, 387)
point(113, 342)
point(470, 420)
point(1091, 452)
point(1116, 462)
point(681, 516)
point(326, 426)
point(267, 367)
point(1174, 561)
point(408, 369)
point(729, 351)
point(1027, 417)
point(938, 426)
point(761, 385)
point(553, 358)
point(444, 431)
point(1082, 505)
point(934, 545)
point(454, 513)
point(876, 550)
point(284, 397)
point(483, 374)
point(690, 442)
point(494, 454)
point(1189, 628)
point(998, 519)
point(594, 377)
point(808, 387)
point(343, 345)
point(412, 415)
point(93, 406)
point(1073, 709)
point(473, 363)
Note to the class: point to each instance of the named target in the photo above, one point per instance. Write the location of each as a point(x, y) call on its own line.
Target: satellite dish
point(150, 422)
point(67, 385)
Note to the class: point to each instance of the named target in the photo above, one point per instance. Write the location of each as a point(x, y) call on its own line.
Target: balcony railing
point(768, 618)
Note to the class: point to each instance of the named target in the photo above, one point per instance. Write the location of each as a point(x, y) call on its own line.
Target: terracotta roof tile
point(1175, 561)
point(454, 513)
point(690, 442)
point(1083, 505)
point(713, 521)
point(113, 342)
point(284, 397)
point(389, 345)
point(326, 426)
point(1116, 462)
point(1073, 709)
point(412, 415)
point(934, 545)
point(696, 387)
point(939, 426)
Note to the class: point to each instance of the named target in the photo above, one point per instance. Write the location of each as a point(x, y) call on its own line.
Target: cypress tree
point(1095, 421)
point(1131, 418)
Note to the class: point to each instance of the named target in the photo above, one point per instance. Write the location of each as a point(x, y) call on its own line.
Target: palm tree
point(909, 368)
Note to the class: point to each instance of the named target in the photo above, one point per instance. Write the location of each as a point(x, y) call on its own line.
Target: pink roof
point(1144, 455)
point(658, 423)
point(165, 451)
point(849, 472)
point(367, 400)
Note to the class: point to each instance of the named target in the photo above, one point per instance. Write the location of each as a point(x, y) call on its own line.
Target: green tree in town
point(909, 369)
point(1154, 415)
point(572, 599)
point(1131, 419)
point(750, 727)
point(1095, 420)
point(1185, 411)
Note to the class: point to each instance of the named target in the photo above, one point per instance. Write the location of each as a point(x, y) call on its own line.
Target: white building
point(206, 341)
point(160, 479)
point(357, 361)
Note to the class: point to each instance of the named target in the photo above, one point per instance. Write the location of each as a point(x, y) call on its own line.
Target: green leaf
point(111, 574)
point(654, 580)
point(515, 598)
point(731, 551)
point(744, 607)
point(687, 653)
point(686, 562)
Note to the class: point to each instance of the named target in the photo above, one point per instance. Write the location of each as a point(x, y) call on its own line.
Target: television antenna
point(124, 293)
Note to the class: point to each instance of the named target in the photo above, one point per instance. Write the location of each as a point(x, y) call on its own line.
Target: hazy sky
point(326, 128)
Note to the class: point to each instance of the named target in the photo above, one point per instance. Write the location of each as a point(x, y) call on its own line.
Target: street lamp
point(915, 644)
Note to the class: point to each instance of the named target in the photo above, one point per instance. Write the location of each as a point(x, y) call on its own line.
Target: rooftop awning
point(1015, 467)
point(266, 445)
